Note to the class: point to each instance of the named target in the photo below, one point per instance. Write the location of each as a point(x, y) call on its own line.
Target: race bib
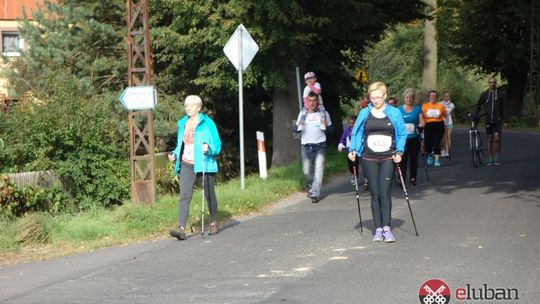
point(433, 113)
point(314, 120)
point(379, 143)
point(188, 153)
point(410, 128)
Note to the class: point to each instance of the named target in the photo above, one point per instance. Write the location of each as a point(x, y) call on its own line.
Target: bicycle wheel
point(477, 158)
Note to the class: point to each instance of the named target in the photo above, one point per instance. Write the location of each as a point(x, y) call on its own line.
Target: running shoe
point(388, 236)
point(490, 163)
point(437, 163)
point(213, 229)
point(496, 160)
point(314, 199)
point(378, 237)
point(429, 160)
point(178, 233)
point(413, 182)
point(352, 180)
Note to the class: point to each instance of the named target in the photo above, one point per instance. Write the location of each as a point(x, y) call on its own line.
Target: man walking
point(314, 146)
point(493, 100)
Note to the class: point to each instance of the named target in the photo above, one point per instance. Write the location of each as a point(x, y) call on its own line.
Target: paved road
point(477, 226)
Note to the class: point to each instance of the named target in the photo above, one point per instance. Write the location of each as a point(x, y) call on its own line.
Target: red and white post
point(261, 150)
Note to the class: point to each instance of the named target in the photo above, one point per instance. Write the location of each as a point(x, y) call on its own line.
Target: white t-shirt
point(449, 107)
point(312, 133)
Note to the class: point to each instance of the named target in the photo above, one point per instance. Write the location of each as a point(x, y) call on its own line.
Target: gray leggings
point(380, 175)
point(187, 181)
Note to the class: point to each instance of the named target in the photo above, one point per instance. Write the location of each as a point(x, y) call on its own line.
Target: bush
point(15, 201)
point(86, 149)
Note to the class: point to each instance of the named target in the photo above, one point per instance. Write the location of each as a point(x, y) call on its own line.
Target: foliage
point(85, 149)
point(492, 36)
point(396, 60)
point(15, 201)
point(75, 40)
point(188, 38)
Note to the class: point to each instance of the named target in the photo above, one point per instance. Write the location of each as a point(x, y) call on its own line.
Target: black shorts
point(494, 127)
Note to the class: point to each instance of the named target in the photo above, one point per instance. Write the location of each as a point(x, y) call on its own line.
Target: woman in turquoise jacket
point(378, 137)
point(198, 145)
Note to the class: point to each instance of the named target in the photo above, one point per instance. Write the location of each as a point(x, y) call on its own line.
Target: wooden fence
point(44, 179)
point(47, 179)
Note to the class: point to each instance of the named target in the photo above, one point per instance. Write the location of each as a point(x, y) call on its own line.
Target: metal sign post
point(139, 99)
point(240, 49)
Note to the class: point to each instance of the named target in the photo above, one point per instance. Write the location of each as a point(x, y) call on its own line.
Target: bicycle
point(475, 143)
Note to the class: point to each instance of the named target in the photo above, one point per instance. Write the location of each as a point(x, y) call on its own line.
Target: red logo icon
point(434, 291)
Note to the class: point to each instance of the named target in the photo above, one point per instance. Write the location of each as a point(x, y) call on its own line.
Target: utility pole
point(534, 78)
point(141, 123)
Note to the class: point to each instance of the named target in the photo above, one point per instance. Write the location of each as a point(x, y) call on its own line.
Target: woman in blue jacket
point(198, 146)
point(378, 137)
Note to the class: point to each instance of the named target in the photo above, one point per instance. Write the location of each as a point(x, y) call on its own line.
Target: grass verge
point(71, 234)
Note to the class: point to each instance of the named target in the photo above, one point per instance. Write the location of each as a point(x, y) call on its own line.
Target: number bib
point(433, 113)
point(379, 143)
point(409, 127)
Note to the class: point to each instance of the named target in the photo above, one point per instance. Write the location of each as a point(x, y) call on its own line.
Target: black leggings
point(380, 175)
point(412, 147)
point(433, 133)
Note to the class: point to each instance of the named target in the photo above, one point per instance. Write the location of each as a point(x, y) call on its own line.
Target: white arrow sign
point(241, 48)
point(139, 98)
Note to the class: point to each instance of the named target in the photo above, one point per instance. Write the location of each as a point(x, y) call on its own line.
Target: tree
point(429, 75)
point(80, 38)
point(188, 38)
point(492, 36)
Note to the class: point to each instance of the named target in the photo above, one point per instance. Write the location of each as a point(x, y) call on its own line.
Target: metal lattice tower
point(141, 123)
point(534, 77)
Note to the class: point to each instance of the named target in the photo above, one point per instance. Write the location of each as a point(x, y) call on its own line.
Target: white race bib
point(314, 120)
point(379, 143)
point(410, 128)
point(433, 113)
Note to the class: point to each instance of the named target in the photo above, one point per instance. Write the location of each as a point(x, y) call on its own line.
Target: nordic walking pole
point(406, 197)
point(202, 200)
point(357, 198)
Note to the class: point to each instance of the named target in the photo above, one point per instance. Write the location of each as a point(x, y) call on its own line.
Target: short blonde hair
point(407, 92)
point(379, 85)
point(196, 100)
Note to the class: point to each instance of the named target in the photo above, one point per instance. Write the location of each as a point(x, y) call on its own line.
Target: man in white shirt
point(314, 147)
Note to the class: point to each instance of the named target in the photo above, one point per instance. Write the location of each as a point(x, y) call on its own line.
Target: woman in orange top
point(434, 114)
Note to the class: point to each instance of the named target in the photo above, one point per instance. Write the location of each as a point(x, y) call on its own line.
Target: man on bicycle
point(493, 101)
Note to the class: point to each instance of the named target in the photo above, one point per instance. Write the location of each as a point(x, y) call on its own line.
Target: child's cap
point(309, 75)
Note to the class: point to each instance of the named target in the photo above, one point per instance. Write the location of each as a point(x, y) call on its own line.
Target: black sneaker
point(314, 199)
point(178, 233)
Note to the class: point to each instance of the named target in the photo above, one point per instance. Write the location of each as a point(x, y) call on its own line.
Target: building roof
point(13, 9)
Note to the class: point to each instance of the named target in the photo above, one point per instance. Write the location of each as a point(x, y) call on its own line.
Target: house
point(11, 14)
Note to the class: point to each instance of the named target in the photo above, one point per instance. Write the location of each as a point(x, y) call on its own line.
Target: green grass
point(131, 222)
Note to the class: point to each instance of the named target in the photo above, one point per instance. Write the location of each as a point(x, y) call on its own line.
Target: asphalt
point(476, 226)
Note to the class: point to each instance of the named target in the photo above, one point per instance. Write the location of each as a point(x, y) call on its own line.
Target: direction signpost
point(139, 98)
point(240, 49)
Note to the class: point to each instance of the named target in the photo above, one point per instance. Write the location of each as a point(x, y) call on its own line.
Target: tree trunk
point(429, 73)
point(515, 92)
point(285, 148)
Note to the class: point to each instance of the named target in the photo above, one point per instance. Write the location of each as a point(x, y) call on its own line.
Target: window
point(11, 43)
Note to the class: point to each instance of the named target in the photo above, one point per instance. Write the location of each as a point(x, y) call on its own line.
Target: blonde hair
point(407, 92)
point(379, 85)
point(196, 100)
